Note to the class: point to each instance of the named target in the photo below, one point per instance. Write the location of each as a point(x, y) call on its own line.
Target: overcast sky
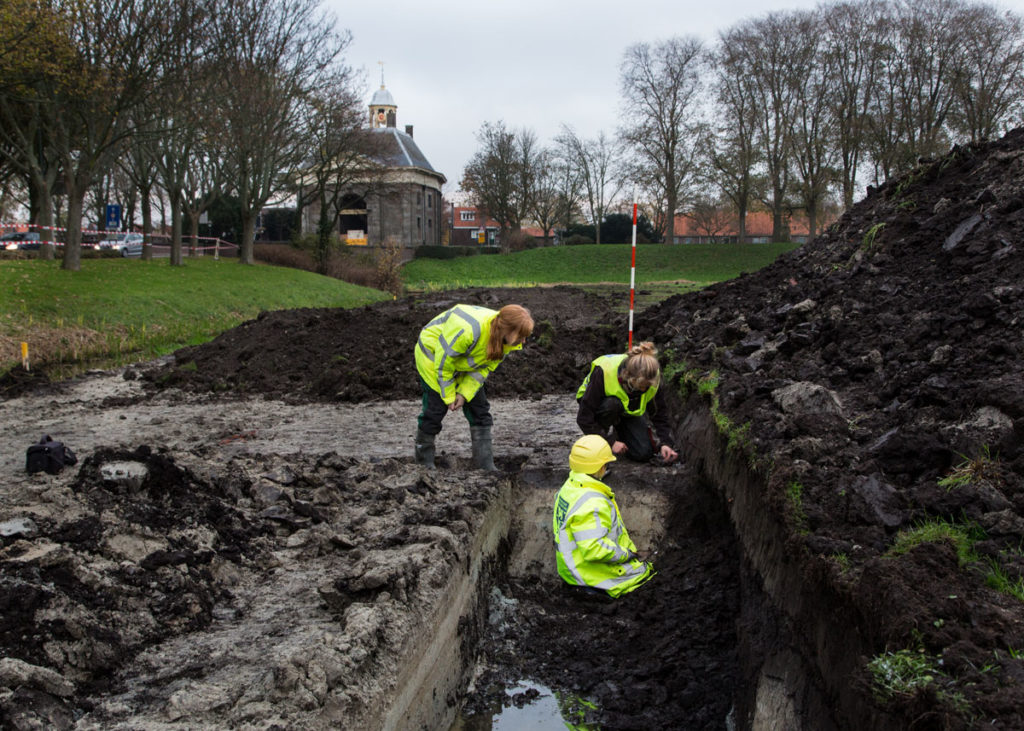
point(453, 65)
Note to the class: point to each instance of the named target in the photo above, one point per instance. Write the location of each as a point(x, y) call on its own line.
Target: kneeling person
point(592, 546)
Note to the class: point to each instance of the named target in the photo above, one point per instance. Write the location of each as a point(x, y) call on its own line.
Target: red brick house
point(468, 225)
point(759, 229)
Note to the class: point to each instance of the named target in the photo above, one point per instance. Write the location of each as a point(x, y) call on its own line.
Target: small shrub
point(451, 252)
point(997, 578)
point(389, 267)
point(901, 673)
point(869, 238)
point(518, 241)
point(983, 468)
point(284, 255)
point(577, 240)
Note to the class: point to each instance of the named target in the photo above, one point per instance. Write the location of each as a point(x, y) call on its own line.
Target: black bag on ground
point(48, 456)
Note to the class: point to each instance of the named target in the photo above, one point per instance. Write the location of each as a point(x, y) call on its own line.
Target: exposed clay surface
point(855, 374)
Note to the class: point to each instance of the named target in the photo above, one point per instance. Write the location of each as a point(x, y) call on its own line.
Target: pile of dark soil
point(367, 353)
point(873, 378)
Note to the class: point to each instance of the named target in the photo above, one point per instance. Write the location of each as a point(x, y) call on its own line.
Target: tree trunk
point(73, 241)
point(324, 228)
point(245, 246)
point(44, 217)
point(176, 257)
point(193, 221)
point(147, 224)
point(778, 225)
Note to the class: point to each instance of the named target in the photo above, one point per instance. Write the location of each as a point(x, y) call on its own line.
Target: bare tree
point(763, 49)
point(272, 55)
point(851, 65)
point(990, 85)
point(568, 190)
point(710, 216)
point(731, 148)
point(661, 86)
point(919, 65)
point(343, 155)
point(501, 175)
point(546, 202)
point(596, 164)
point(813, 125)
point(119, 47)
point(35, 51)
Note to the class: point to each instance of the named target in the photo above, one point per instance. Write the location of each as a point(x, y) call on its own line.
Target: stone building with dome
point(403, 203)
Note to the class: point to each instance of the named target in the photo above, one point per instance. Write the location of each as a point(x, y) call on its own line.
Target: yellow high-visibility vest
point(451, 352)
point(592, 546)
point(610, 365)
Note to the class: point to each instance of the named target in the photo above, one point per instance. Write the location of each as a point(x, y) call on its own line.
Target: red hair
point(511, 319)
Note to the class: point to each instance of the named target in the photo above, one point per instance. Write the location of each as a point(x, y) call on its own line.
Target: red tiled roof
point(457, 221)
point(759, 223)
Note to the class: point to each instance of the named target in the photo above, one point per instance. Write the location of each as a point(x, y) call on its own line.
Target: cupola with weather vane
point(383, 110)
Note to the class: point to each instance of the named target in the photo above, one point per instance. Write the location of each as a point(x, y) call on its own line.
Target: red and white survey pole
point(632, 277)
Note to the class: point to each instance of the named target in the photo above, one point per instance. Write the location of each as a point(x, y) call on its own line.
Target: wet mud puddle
point(530, 705)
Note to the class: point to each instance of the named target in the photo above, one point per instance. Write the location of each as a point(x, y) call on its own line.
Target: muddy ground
point(861, 387)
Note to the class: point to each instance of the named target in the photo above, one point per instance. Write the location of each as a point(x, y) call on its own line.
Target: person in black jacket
point(619, 400)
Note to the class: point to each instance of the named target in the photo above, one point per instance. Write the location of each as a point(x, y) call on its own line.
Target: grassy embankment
point(117, 311)
point(661, 270)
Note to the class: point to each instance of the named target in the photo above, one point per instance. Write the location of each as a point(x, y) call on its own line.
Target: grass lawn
point(688, 266)
point(123, 310)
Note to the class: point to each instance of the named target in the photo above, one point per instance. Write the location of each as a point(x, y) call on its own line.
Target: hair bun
point(644, 348)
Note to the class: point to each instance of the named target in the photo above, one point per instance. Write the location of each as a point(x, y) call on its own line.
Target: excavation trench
point(253, 583)
point(709, 643)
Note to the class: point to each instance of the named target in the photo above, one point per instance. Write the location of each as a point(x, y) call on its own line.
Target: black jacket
point(591, 400)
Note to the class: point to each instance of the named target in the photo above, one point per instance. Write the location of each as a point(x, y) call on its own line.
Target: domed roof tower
point(383, 110)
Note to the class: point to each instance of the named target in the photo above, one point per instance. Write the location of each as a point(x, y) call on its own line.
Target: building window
point(418, 227)
point(467, 216)
point(430, 200)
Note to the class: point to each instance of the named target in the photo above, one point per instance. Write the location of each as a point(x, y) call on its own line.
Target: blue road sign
point(113, 217)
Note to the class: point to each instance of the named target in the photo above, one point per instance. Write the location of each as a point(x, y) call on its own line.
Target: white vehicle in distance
point(132, 249)
point(119, 240)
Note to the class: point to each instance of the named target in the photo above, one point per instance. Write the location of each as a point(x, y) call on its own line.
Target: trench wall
point(800, 643)
point(438, 660)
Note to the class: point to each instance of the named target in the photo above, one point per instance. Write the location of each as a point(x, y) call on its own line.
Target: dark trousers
point(633, 431)
point(477, 410)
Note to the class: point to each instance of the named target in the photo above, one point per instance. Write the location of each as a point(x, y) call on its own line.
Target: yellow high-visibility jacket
point(610, 365)
point(451, 353)
point(592, 546)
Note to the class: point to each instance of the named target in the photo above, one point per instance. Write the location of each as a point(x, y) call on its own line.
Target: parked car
point(119, 240)
point(132, 249)
point(24, 240)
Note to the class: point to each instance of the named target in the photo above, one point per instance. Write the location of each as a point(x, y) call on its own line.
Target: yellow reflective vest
point(451, 353)
point(592, 546)
point(610, 365)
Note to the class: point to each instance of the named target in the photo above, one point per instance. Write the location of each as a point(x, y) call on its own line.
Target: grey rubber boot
point(424, 448)
point(483, 455)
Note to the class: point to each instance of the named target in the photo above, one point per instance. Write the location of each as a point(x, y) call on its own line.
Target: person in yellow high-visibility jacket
point(455, 353)
point(620, 400)
point(592, 547)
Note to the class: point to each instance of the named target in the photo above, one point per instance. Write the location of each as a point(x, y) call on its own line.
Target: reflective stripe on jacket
point(592, 546)
point(451, 352)
point(610, 365)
